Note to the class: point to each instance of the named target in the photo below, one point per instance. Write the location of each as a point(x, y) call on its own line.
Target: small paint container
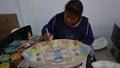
point(5, 61)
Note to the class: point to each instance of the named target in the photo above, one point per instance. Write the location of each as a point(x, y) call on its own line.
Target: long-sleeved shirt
point(57, 27)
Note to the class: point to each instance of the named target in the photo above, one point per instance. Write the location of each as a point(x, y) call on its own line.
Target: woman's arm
point(47, 30)
point(89, 38)
point(48, 26)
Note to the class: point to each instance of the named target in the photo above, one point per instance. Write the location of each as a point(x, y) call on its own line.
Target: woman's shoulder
point(84, 21)
point(59, 14)
point(84, 17)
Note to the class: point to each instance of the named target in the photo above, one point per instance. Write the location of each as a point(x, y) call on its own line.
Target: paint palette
point(60, 52)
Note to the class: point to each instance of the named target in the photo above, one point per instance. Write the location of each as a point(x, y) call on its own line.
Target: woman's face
point(70, 18)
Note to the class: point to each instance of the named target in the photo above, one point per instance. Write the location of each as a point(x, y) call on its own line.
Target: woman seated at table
point(70, 24)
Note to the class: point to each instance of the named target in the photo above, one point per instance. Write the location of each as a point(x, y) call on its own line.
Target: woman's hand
point(48, 36)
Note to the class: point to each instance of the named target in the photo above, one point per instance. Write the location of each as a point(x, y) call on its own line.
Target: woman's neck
point(78, 22)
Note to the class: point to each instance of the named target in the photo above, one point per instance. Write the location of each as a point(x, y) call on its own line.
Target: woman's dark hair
point(74, 6)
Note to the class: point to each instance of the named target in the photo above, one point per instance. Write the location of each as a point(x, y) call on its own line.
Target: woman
point(70, 24)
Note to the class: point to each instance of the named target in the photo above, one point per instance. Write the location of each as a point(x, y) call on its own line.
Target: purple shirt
point(88, 39)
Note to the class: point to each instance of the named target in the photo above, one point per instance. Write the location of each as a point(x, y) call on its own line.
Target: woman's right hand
point(47, 36)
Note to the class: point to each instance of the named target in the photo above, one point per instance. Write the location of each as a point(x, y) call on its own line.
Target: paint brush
point(50, 38)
